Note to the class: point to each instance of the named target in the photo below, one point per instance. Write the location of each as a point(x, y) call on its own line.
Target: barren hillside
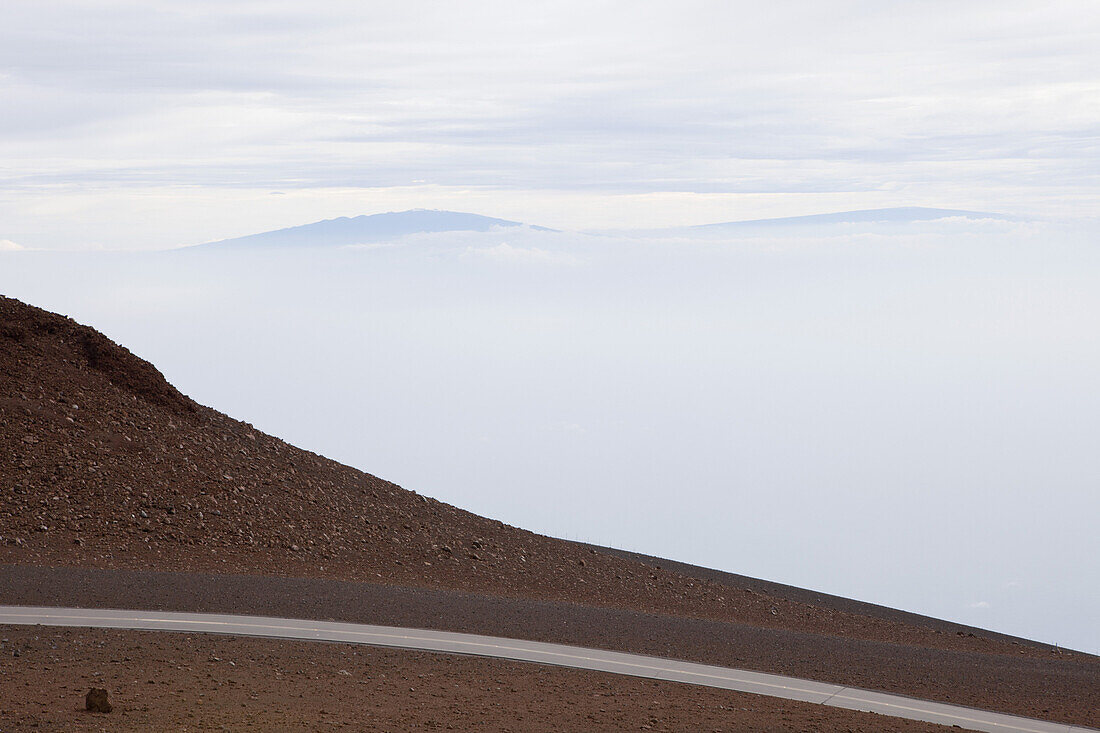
point(106, 464)
point(103, 464)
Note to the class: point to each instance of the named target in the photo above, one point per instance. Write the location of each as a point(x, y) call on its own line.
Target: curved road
point(636, 665)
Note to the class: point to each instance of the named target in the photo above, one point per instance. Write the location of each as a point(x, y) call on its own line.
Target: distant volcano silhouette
point(366, 229)
point(896, 215)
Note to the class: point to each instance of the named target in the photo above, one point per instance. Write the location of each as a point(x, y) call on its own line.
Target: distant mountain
point(375, 228)
point(345, 231)
point(896, 215)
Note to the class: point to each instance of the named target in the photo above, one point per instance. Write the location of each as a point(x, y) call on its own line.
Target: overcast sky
point(151, 124)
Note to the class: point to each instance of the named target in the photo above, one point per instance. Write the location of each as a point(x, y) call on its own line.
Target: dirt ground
point(1066, 688)
point(103, 464)
point(181, 682)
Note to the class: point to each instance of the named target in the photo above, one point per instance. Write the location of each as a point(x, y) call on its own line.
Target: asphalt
point(636, 665)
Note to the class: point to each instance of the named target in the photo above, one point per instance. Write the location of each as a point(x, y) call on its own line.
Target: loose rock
point(96, 701)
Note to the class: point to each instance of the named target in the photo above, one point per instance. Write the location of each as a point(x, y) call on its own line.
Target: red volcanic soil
point(105, 465)
point(194, 682)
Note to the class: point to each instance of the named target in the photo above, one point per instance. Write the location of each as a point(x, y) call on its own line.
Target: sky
point(152, 124)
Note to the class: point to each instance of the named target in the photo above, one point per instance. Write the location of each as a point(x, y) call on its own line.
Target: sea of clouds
point(906, 414)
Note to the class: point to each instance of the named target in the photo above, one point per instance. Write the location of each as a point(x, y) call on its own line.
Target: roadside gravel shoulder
point(1065, 690)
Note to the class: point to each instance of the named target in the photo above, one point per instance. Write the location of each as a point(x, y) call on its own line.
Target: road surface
point(636, 665)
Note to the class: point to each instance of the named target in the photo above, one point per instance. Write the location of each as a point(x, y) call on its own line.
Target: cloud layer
point(988, 105)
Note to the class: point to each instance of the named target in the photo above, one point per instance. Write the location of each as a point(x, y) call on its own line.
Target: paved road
point(636, 665)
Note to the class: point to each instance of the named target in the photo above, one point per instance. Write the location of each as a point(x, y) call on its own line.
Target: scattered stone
point(96, 701)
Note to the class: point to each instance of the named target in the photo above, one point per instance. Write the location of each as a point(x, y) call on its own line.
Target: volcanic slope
point(106, 465)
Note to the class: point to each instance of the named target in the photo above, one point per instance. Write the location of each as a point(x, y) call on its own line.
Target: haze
point(904, 414)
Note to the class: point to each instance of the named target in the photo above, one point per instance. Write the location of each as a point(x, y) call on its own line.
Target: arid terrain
point(195, 682)
point(119, 491)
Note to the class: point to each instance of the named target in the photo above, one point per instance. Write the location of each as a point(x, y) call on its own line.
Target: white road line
point(636, 665)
